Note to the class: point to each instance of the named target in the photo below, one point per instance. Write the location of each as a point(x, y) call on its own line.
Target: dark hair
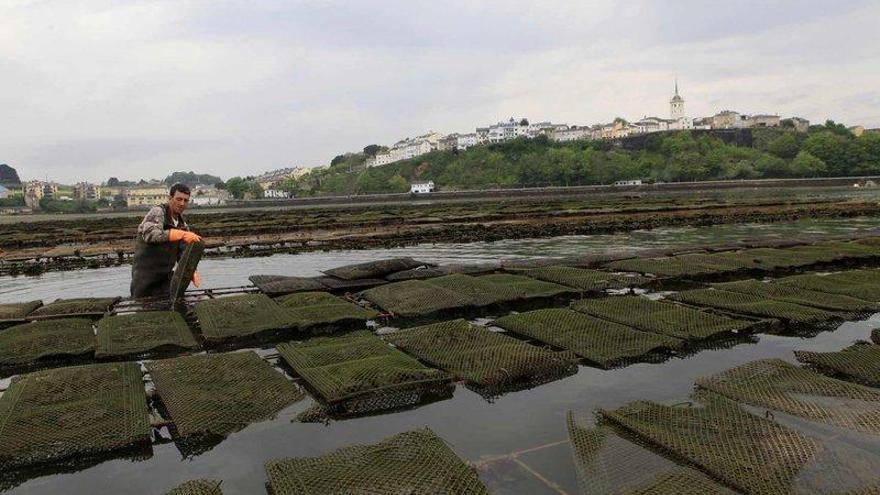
point(179, 187)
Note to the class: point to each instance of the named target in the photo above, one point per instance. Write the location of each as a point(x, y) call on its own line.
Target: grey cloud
point(90, 89)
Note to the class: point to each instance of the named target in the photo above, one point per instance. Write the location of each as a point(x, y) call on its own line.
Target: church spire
point(676, 86)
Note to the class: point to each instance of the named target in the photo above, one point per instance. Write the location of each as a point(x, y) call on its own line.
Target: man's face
point(178, 202)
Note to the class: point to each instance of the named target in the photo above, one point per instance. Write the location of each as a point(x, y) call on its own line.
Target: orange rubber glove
point(176, 235)
point(197, 279)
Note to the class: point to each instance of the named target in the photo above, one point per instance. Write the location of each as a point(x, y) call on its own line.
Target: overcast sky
point(93, 89)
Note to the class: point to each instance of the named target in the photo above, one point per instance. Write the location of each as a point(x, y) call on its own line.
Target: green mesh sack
point(608, 464)
point(197, 487)
point(30, 344)
point(586, 279)
point(355, 365)
point(861, 284)
point(860, 362)
point(309, 309)
point(660, 317)
point(753, 305)
point(414, 462)
point(769, 259)
point(140, 333)
point(749, 453)
point(374, 269)
point(601, 342)
point(834, 251)
point(777, 385)
point(415, 298)
point(186, 267)
point(16, 312)
point(684, 265)
point(278, 284)
point(88, 306)
point(480, 292)
point(480, 356)
point(422, 273)
point(525, 287)
point(239, 316)
point(797, 295)
point(50, 416)
point(217, 394)
point(340, 284)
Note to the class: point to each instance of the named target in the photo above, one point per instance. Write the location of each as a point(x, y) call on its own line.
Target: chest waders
point(154, 263)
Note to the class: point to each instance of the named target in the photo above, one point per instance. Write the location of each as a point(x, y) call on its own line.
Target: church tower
point(676, 105)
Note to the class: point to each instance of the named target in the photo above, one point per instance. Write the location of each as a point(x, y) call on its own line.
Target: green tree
point(806, 165)
point(369, 183)
point(838, 129)
point(398, 184)
point(372, 149)
point(254, 190)
point(291, 185)
point(838, 151)
point(237, 187)
point(785, 146)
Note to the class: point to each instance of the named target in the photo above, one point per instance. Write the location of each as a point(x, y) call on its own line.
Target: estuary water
point(518, 441)
point(231, 272)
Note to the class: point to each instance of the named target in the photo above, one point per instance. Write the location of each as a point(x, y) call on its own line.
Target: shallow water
point(230, 272)
point(477, 430)
point(492, 434)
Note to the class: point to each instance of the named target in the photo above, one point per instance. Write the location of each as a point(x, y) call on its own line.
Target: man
point(161, 238)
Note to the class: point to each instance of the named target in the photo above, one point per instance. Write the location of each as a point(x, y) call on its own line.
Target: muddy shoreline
point(242, 236)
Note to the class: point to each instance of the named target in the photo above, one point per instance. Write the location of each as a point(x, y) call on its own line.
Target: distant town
point(619, 128)
point(48, 195)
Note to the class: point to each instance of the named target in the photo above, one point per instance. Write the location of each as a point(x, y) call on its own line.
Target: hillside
point(192, 178)
point(824, 151)
point(8, 175)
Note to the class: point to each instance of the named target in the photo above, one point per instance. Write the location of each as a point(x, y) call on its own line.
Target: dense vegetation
point(827, 150)
point(8, 175)
point(191, 179)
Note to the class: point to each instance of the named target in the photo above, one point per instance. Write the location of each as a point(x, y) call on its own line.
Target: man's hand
point(197, 280)
point(176, 235)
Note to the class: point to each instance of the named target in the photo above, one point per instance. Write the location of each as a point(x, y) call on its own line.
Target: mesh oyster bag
point(413, 462)
point(601, 342)
point(51, 415)
point(660, 317)
point(859, 362)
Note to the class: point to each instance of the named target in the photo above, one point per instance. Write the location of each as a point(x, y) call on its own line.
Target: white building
point(422, 187)
point(505, 131)
point(204, 195)
point(652, 124)
point(703, 123)
point(676, 113)
point(36, 190)
point(381, 158)
point(465, 141)
point(761, 120)
point(800, 124)
point(276, 194)
point(85, 190)
point(573, 133)
point(146, 196)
